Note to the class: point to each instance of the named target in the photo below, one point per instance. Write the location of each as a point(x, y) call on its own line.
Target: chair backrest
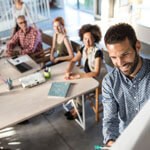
point(47, 39)
point(75, 46)
point(103, 72)
point(107, 59)
point(43, 55)
point(38, 57)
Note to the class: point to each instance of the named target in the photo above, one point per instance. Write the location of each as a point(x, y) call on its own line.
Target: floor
point(51, 130)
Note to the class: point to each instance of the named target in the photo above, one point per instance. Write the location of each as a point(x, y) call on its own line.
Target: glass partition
point(85, 5)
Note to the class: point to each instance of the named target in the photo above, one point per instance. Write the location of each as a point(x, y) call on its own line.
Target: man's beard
point(136, 61)
point(133, 65)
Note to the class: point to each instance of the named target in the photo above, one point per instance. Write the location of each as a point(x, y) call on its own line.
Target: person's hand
point(56, 60)
point(10, 53)
point(72, 76)
point(110, 143)
point(75, 76)
point(51, 58)
point(67, 75)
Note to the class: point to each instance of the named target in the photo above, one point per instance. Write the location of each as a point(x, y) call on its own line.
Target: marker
point(97, 147)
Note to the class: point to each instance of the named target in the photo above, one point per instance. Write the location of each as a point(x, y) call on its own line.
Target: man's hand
point(110, 143)
point(11, 53)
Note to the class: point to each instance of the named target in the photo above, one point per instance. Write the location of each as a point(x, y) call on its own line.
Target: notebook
point(59, 89)
point(19, 62)
point(32, 80)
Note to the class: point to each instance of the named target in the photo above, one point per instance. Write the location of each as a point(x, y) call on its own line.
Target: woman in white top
point(18, 9)
point(91, 56)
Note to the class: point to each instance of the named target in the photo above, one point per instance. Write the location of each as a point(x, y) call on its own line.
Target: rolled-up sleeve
point(35, 42)
point(13, 42)
point(110, 118)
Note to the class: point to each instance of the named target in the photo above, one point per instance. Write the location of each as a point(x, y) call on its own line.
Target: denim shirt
point(123, 99)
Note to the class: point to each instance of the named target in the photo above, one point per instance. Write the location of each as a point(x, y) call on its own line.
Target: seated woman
point(61, 46)
point(91, 57)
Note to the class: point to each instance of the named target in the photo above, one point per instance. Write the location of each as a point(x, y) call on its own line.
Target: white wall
point(136, 12)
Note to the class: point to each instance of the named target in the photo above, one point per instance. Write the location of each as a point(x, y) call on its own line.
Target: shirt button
point(136, 109)
point(134, 86)
point(135, 97)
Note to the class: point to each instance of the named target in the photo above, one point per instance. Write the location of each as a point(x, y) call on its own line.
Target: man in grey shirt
point(127, 87)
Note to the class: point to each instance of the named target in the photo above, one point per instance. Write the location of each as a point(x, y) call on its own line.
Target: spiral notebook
point(59, 89)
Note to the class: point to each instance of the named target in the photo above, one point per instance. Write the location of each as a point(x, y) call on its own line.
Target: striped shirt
point(30, 42)
point(123, 99)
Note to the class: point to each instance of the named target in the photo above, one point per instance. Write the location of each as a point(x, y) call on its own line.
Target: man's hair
point(93, 29)
point(119, 32)
point(21, 17)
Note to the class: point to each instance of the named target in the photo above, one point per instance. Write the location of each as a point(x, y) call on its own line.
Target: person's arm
point(53, 48)
point(110, 113)
point(29, 15)
point(71, 65)
point(35, 38)
point(69, 49)
point(14, 16)
point(12, 43)
point(95, 73)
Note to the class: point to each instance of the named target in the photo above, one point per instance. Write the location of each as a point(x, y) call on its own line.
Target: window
point(85, 5)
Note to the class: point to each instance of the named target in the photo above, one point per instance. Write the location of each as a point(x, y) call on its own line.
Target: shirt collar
point(142, 71)
point(91, 49)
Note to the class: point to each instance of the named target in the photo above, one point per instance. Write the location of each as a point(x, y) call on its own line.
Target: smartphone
point(14, 57)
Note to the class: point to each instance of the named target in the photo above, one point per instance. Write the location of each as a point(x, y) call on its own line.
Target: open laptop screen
point(23, 67)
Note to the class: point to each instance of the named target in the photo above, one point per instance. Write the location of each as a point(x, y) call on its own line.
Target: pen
point(5, 81)
point(102, 147)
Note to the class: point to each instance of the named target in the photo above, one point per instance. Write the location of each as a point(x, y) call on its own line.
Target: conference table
point(19, 104)
point(7, 70)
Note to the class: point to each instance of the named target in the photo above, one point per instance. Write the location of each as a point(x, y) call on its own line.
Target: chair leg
point(97, 117)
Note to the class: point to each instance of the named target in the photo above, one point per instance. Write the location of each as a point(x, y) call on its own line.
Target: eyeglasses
point(23, 22)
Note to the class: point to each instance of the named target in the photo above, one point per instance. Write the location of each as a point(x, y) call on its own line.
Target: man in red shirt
point(27, 38)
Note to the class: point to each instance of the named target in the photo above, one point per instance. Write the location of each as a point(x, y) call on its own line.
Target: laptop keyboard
point(23, 67)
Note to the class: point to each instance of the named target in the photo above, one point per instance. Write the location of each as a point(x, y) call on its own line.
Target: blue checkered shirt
point(123, 99)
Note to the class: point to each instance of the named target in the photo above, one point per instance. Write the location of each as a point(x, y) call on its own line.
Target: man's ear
point(138, 46)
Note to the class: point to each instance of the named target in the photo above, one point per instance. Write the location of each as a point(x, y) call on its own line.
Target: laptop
point(32, 80)
point(19, 62)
